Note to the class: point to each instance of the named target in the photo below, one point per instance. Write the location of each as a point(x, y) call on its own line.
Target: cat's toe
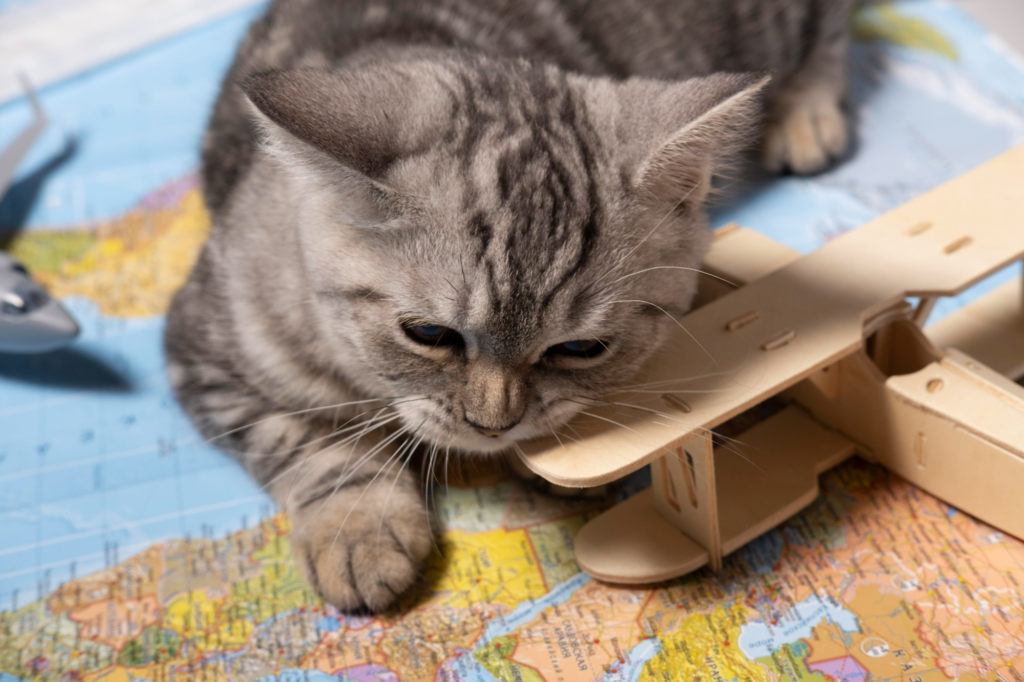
point(367, 564)
point(807, 136)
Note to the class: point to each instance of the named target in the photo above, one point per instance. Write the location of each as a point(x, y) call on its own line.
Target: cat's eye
point(581, 348)
point(432, 334)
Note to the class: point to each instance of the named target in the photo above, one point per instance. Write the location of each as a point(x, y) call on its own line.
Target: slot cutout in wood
point(743, 320)
point(779, 340)
point(671, 496)
point(691, 480)
point(953, 247)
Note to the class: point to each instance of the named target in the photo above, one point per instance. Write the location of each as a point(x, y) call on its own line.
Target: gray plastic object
point(30, 320)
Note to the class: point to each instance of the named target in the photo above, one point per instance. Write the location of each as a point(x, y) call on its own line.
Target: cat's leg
point(360, 529)
point(807, 127)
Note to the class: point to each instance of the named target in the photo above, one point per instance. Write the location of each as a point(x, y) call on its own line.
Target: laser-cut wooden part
point(634, 544)
point(990, 329)
point(823, 298)
point(849, 349)
point(771, 473)
point(952, 427)
point(684, 492)
point(774, 472)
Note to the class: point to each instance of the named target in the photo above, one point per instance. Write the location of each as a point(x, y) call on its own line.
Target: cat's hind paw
point(806, 134)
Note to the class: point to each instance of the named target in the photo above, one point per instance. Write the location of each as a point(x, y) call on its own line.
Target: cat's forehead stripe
point(528, 159)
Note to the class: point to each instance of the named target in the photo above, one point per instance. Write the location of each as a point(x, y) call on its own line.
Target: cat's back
point(666, 39)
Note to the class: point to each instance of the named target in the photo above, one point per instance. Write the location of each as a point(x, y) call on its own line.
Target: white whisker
point(675, 267)
point(678, 323)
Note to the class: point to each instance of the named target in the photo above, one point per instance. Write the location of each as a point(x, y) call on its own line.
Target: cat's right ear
point(347, 129)
point(672, 138)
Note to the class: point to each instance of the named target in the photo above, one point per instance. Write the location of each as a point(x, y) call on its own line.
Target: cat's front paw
point(805, 132)
point(362, 554)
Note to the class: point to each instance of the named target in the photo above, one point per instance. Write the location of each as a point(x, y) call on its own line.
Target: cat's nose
point(491, 432)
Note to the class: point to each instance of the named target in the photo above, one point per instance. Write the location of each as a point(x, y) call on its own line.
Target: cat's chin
point(475, 444)
point(472, 443)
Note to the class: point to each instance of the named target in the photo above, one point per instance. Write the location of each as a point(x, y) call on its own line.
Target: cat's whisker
point(435, 449)
point(681, 390)
point(351, 468)
point(689, 426)
point(405, 459)
point(377, 421)
point(610, 421)
point(660, 382)
point(676, 267)
point(366, 487)
point(640, 408)
point(365, 427)
point(334, 433)
point(647, 236)
point(678, 323)
point(555, 427)
point(427, 488)
point(729, 448)
point(622, 414)
point(726, 443)
point(707, 431)
point(282, 415)
point(369, 425)
point(578, 439)
point(555, 434)
point(447, 464)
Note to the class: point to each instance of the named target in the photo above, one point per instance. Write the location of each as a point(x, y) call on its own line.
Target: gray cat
point(444, 225)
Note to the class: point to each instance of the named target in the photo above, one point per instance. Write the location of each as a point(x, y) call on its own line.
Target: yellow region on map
point(875, 578)
point(874, 581)
point(885, 22)
point(705, 644)
point(130, 266)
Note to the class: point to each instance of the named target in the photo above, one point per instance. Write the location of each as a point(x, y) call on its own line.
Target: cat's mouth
point(469, 438)
point(471, 441)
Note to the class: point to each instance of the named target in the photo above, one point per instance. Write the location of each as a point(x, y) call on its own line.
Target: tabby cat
point(440, 225)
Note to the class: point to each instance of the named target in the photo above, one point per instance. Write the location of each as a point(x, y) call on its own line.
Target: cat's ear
point(680, 135)
point(348, 128)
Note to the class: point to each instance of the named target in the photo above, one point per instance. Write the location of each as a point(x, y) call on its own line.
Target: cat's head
point(498, 242)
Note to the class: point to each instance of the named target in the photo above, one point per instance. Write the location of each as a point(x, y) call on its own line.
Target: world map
point(130, 549)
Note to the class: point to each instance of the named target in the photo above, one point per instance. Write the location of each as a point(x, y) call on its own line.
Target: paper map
point(131, 550)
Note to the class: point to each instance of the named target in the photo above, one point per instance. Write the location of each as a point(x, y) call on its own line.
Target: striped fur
point(511, 171)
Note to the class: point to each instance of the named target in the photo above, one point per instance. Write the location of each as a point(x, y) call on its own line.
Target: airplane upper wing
point(764, 337)
point(11, 157)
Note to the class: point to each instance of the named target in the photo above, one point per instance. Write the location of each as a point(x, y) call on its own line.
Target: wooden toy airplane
point(834, 335)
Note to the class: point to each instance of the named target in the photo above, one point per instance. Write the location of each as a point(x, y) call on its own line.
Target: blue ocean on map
point(97, 461)
point(759, 639)
point(510, 622)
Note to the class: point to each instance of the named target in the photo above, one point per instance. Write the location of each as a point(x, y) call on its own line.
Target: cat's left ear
point(349, 128)
point(674, 137)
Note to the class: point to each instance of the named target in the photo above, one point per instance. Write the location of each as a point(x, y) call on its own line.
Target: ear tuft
point(726, 118)
point(672, 137)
